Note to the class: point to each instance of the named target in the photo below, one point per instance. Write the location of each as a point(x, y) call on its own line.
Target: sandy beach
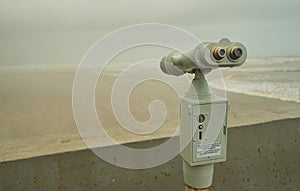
point(36, 112)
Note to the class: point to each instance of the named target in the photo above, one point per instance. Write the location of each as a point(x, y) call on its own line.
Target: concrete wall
point(260, 157)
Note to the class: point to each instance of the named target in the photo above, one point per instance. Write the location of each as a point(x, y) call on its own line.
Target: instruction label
point(209, 150)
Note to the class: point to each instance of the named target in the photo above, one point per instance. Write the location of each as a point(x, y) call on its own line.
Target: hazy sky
point(60, 31)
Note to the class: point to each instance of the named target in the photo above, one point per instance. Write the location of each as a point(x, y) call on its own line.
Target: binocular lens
point(218, 53)
point(235, 53)
point(222, 52)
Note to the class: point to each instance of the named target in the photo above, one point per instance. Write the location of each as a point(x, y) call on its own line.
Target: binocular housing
point(206, 56)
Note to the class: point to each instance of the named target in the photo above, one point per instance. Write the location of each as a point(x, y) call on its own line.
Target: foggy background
point(59, 32)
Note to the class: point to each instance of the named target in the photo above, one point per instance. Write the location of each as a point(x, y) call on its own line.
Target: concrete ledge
point(260, 157)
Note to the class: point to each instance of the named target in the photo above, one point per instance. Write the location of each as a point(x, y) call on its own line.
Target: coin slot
point(200, 135)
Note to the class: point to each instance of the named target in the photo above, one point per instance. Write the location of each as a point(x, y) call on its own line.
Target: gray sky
point(60, 31)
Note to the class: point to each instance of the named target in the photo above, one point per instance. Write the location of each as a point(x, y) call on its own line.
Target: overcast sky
point(60, 31)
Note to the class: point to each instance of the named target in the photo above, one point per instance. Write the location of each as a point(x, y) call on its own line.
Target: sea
point(272, 77)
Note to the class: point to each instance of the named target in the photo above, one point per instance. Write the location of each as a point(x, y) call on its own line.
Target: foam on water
point(277, 78)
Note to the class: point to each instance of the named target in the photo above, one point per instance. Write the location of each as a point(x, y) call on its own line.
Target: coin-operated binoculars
point(203, 126)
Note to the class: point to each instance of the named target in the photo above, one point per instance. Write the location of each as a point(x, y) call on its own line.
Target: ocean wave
point(283, 91)
point(266, 69)
point(273, 60)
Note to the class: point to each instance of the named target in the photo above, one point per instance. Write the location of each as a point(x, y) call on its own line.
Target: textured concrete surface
point(260, 157)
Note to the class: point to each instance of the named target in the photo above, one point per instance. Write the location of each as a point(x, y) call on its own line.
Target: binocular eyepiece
point(235, 53)
point(206, 56)
point(232, 53)
point(218, 53)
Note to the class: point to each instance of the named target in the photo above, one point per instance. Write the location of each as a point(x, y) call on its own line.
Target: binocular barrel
point(205, 57)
